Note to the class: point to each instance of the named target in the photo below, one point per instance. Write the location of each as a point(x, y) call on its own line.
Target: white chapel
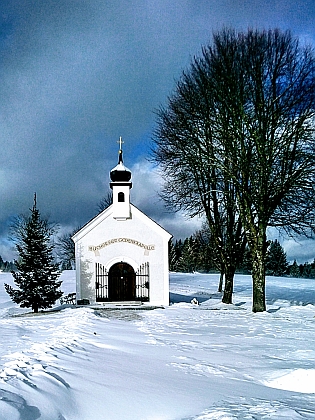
point(122, 255)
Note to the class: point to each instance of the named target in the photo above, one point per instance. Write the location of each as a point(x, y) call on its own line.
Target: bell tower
point(120, 184)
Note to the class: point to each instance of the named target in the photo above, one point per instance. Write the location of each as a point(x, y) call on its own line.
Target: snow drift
point(187, 361)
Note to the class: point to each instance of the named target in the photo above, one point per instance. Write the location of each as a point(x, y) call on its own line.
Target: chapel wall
point(129, 241)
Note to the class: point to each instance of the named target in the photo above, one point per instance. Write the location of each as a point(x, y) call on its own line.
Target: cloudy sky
point(77, 74)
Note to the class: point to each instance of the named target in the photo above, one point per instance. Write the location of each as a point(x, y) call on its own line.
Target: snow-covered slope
point(207, 361)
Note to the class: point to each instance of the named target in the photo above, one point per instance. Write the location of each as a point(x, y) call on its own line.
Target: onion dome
point(120, 173)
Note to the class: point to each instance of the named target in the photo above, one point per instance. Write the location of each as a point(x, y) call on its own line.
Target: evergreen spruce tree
point(172, 256)
point(312, 273)
point(183, 260)
point(178, 249)
point(276, 261)
point(37, 274)
point(294, 270)
point(246, 264)
point(306, 270)
point(188, 259)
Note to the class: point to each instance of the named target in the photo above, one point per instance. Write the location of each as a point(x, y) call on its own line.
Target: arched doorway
point(121, 282)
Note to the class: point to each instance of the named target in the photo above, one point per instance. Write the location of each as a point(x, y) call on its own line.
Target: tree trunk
point(228, 286)
point(220, 288)
point(258, 273)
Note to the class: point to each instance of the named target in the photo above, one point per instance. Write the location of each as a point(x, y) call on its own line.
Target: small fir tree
point(37, 274)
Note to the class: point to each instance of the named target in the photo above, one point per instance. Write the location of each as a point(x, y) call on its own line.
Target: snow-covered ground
point(207, 361)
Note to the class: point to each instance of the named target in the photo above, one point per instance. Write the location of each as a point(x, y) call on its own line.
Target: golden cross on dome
point(120, 141)
point(120, 159)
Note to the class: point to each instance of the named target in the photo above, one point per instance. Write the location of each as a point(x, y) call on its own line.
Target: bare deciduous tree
point(66, 250)
point(186, 149)
point(105, 202)
point(238, 138)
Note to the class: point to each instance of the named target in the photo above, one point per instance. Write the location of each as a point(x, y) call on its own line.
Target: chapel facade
point(122, 254)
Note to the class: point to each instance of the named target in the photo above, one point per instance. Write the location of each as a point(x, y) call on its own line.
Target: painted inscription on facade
point(96, 248)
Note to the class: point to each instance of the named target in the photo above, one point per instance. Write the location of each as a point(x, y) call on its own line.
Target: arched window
point(121, 197)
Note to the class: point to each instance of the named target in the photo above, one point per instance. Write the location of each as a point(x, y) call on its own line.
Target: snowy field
point(211, 361)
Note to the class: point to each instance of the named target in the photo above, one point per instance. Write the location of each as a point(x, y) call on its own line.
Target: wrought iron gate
point(142, 284)
point(101, 283)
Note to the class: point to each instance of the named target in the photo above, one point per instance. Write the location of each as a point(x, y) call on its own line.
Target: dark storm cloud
point(76, 75)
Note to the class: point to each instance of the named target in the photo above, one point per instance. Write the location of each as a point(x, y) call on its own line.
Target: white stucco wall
point(105, 240)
